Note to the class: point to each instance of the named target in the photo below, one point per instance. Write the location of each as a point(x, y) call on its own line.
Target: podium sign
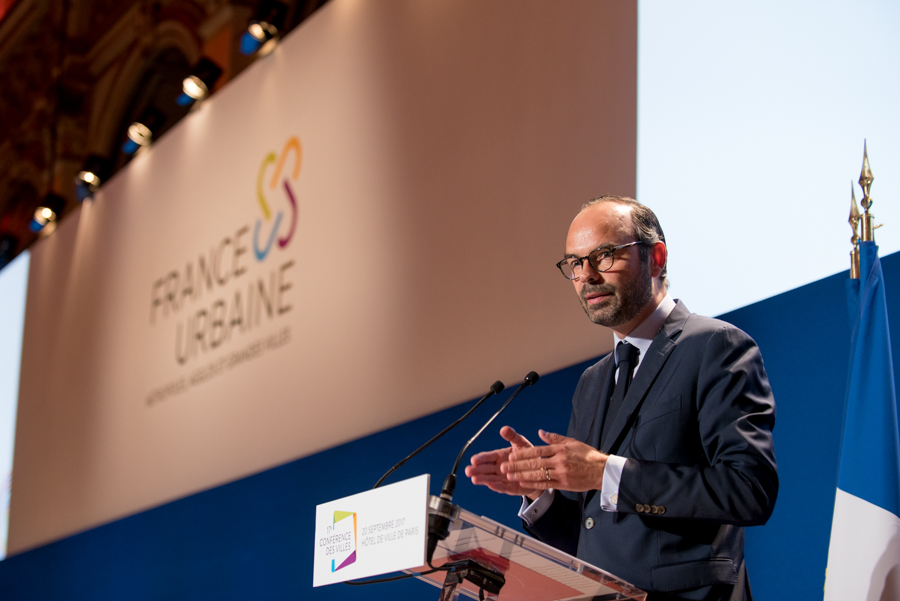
point(375, 532)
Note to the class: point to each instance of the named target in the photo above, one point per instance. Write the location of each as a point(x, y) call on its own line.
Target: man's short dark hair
point(646, 227)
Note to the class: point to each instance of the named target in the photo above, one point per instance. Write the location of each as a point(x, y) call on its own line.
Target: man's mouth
point(595, 298)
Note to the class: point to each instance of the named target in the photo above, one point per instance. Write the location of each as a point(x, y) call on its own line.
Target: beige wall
point(446, 147)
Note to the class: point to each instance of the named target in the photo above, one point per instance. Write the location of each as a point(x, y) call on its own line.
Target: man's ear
point(658, 257)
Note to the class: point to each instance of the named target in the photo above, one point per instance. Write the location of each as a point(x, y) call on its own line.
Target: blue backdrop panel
point(253, 538)
point(804, 336)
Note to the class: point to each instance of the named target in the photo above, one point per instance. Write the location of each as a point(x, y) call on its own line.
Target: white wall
point(751, 121)
point(13, 293)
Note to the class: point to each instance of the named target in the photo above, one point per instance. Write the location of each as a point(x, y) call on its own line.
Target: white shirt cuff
point(532, 512)
point(612, 475)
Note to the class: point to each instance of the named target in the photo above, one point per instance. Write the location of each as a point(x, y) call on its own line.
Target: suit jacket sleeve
point(717, 454)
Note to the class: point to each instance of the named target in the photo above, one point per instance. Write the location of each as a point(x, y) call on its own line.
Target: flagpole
point(854, 239)
point(864, 550)
point(865, 182)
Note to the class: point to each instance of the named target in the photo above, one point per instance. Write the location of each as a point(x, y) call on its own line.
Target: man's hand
point(570, 464)
point(485, 468)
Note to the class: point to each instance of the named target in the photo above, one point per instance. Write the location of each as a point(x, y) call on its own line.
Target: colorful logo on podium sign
point(267, 186)
point(387, 534)
point(344, 529)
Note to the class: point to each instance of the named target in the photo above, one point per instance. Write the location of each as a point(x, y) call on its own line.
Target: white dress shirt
point(642, 337)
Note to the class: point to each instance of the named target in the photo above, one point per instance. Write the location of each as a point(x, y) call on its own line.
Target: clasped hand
point(523, 469)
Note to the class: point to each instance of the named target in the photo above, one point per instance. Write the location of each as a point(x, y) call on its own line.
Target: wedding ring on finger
point(547, 474)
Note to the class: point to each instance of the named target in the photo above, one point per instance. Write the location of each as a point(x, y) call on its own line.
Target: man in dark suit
point(669, 451)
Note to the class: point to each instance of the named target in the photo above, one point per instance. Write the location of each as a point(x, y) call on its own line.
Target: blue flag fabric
point(870, 452)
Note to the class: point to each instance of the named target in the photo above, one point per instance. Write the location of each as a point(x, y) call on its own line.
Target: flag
point(864, 552)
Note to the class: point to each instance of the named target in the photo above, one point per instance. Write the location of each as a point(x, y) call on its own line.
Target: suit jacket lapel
point(650, 367)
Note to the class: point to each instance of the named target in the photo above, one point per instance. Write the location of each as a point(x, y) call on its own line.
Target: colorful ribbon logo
point(291, 147)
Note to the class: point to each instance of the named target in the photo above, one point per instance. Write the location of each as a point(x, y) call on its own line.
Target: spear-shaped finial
point(866, 178)
point(854, 239)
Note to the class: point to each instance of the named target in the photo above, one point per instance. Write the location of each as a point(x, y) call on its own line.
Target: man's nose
point(588, 273)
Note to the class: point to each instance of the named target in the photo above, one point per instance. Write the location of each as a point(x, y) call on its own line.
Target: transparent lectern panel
point(533, 570)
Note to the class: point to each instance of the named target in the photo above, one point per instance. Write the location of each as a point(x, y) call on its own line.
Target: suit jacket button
point(639, 508)
point(589, 523)
point(661, 510)
point(654, 509)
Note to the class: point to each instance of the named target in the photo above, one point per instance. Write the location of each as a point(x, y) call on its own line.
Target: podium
point(528, 569)
point(393, 528)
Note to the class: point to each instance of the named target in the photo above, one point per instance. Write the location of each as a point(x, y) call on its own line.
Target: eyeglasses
point(601, 260)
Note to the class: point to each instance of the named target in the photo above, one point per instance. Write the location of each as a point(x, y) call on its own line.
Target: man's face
point(613, 298)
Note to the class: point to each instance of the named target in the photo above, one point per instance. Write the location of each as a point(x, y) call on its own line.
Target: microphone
point(496, 388)
point(443, 509)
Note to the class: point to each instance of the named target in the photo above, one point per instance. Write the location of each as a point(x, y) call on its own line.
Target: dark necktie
point(627, 355)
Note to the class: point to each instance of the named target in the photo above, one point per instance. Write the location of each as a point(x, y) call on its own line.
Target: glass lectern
point(498, 563)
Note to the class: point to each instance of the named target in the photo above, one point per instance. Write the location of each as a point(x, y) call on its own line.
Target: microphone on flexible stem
point(442, 510)
point(496, 388)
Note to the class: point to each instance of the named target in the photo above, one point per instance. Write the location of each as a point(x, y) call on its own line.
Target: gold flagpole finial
point(865, 176)
point(865, 181)
point(854, 239)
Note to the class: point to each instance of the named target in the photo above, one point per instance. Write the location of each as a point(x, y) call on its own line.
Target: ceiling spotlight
point(263, 30)
point(140, 133)
point(197, 85)
point(48, 212)
point(89, 179)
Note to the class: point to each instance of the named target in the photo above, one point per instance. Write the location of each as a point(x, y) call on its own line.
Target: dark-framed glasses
point(601, 260)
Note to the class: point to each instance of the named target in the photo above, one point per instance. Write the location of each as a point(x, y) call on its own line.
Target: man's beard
point(627, 300)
